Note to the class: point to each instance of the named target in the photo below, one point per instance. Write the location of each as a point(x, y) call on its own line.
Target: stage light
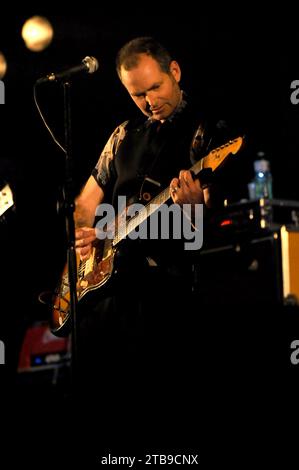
point(37, 33)
point(3, 65)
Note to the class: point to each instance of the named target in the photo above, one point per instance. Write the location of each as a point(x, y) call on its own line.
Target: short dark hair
point(127, 56)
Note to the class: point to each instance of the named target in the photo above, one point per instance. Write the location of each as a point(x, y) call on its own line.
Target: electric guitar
point(94, 273)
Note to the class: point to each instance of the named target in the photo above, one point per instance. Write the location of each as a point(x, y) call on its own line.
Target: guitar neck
point(142, 215)
point(212, 160)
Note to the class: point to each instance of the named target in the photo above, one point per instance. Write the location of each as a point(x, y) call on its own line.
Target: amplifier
point(41, 349)
point(256, 215)
point(290, 264)
point(249, 267)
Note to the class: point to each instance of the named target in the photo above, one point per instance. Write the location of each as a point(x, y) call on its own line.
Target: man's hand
point(186, 190)
point(84, 238)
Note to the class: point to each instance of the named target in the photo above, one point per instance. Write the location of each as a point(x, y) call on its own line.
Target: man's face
point(155, 92)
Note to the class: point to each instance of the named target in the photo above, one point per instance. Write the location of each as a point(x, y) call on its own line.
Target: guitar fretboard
point(142, 215)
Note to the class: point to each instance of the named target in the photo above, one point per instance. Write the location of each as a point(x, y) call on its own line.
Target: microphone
point(88, 65)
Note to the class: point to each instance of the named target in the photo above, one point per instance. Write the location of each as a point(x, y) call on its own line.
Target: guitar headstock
point(219, 154)
point(232, 146)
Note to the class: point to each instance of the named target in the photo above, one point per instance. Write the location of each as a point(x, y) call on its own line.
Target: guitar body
point(91, 274)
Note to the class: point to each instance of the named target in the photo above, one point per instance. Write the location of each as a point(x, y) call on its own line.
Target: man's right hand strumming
point(84, 238)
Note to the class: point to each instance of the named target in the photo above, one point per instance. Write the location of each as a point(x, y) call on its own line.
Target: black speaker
point(247, 271)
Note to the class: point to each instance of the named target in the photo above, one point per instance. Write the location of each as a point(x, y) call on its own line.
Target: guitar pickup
point(150, 180)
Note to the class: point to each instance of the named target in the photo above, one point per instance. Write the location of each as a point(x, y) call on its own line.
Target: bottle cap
point(261, 165)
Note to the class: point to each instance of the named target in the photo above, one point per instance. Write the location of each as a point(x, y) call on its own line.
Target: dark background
point(241, 63)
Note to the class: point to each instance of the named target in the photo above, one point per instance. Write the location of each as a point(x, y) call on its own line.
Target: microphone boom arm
point(88, 65)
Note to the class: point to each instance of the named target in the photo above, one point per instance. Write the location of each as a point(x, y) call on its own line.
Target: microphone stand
point(69, 207)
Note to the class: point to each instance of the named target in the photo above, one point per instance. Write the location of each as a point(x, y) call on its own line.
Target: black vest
point(154, 150)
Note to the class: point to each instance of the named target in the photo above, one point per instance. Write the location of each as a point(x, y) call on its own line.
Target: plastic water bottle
point(261, 186)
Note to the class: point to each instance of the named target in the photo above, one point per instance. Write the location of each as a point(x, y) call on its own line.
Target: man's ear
point(175, 70)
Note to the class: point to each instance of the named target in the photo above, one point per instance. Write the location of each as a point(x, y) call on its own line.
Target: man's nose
point(150, 99)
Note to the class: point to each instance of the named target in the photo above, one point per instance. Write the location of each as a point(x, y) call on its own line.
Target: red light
point(226, 222)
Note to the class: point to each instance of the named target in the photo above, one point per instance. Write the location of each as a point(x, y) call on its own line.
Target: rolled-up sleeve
point(103, 171)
